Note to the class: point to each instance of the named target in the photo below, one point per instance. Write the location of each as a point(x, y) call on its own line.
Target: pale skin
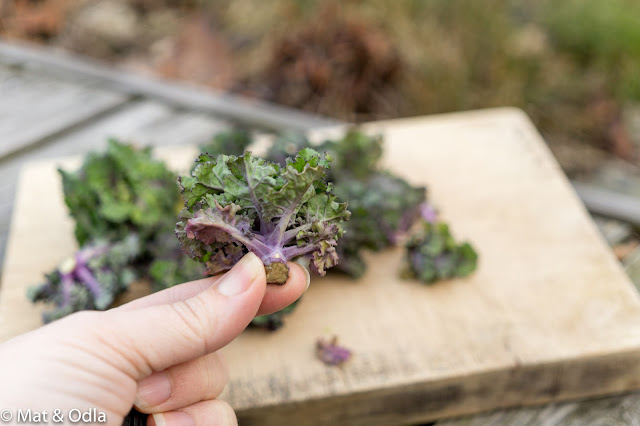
point(159, 352)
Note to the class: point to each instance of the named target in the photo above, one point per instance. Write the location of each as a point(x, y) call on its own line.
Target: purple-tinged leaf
point(238, 204)
point(330, 353)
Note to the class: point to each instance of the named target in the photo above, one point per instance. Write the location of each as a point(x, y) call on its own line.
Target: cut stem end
point(277, 273)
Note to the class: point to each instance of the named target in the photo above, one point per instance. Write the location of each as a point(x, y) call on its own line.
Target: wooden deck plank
point(612, 411)
point(252, 112)
point(183, 129)
point(143, 122)
point(34, 107)
point(608, 203)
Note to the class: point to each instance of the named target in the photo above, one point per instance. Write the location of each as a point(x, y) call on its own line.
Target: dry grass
point(572, 65)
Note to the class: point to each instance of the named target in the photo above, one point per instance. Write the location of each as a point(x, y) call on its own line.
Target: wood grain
point(621, 410)
point(549, 315)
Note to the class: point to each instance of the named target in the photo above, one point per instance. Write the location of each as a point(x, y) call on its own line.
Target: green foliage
point(432, 254)
point(595, 30)
point(601, 35)
point(121, 191)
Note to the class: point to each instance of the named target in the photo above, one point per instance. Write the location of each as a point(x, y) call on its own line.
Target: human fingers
point(276, 297)
point(182, 385)
point(172, 294)
point(205, 413)
point(157, 337)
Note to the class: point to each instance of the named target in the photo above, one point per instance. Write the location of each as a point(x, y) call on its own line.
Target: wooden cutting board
point(548, 315)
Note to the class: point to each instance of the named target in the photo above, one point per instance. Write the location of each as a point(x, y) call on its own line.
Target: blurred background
point(573, 66)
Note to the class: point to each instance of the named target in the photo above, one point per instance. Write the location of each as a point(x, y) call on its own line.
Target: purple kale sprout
point(432, 254)
point(91, 279)
point(238, 204)
point(330, 353)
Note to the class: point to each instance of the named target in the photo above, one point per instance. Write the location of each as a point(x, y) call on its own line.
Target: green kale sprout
point(121, 191)
point(432, 254)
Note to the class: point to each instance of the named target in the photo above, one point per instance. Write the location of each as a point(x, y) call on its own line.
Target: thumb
point(157, 337)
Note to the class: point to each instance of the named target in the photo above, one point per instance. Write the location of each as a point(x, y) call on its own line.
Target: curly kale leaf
point(239, 204)
point(121, 191)
point(432, 254)
point(91, 279)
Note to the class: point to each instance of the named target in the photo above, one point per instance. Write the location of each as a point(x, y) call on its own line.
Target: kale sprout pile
point(286, 206)
point(124, 204)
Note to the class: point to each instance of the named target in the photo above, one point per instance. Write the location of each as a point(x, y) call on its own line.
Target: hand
point(158, 352)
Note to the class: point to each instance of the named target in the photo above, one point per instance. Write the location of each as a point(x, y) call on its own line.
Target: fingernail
point(173, 418)
point(153, 390)
point(304, 262)
point(241, 276)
